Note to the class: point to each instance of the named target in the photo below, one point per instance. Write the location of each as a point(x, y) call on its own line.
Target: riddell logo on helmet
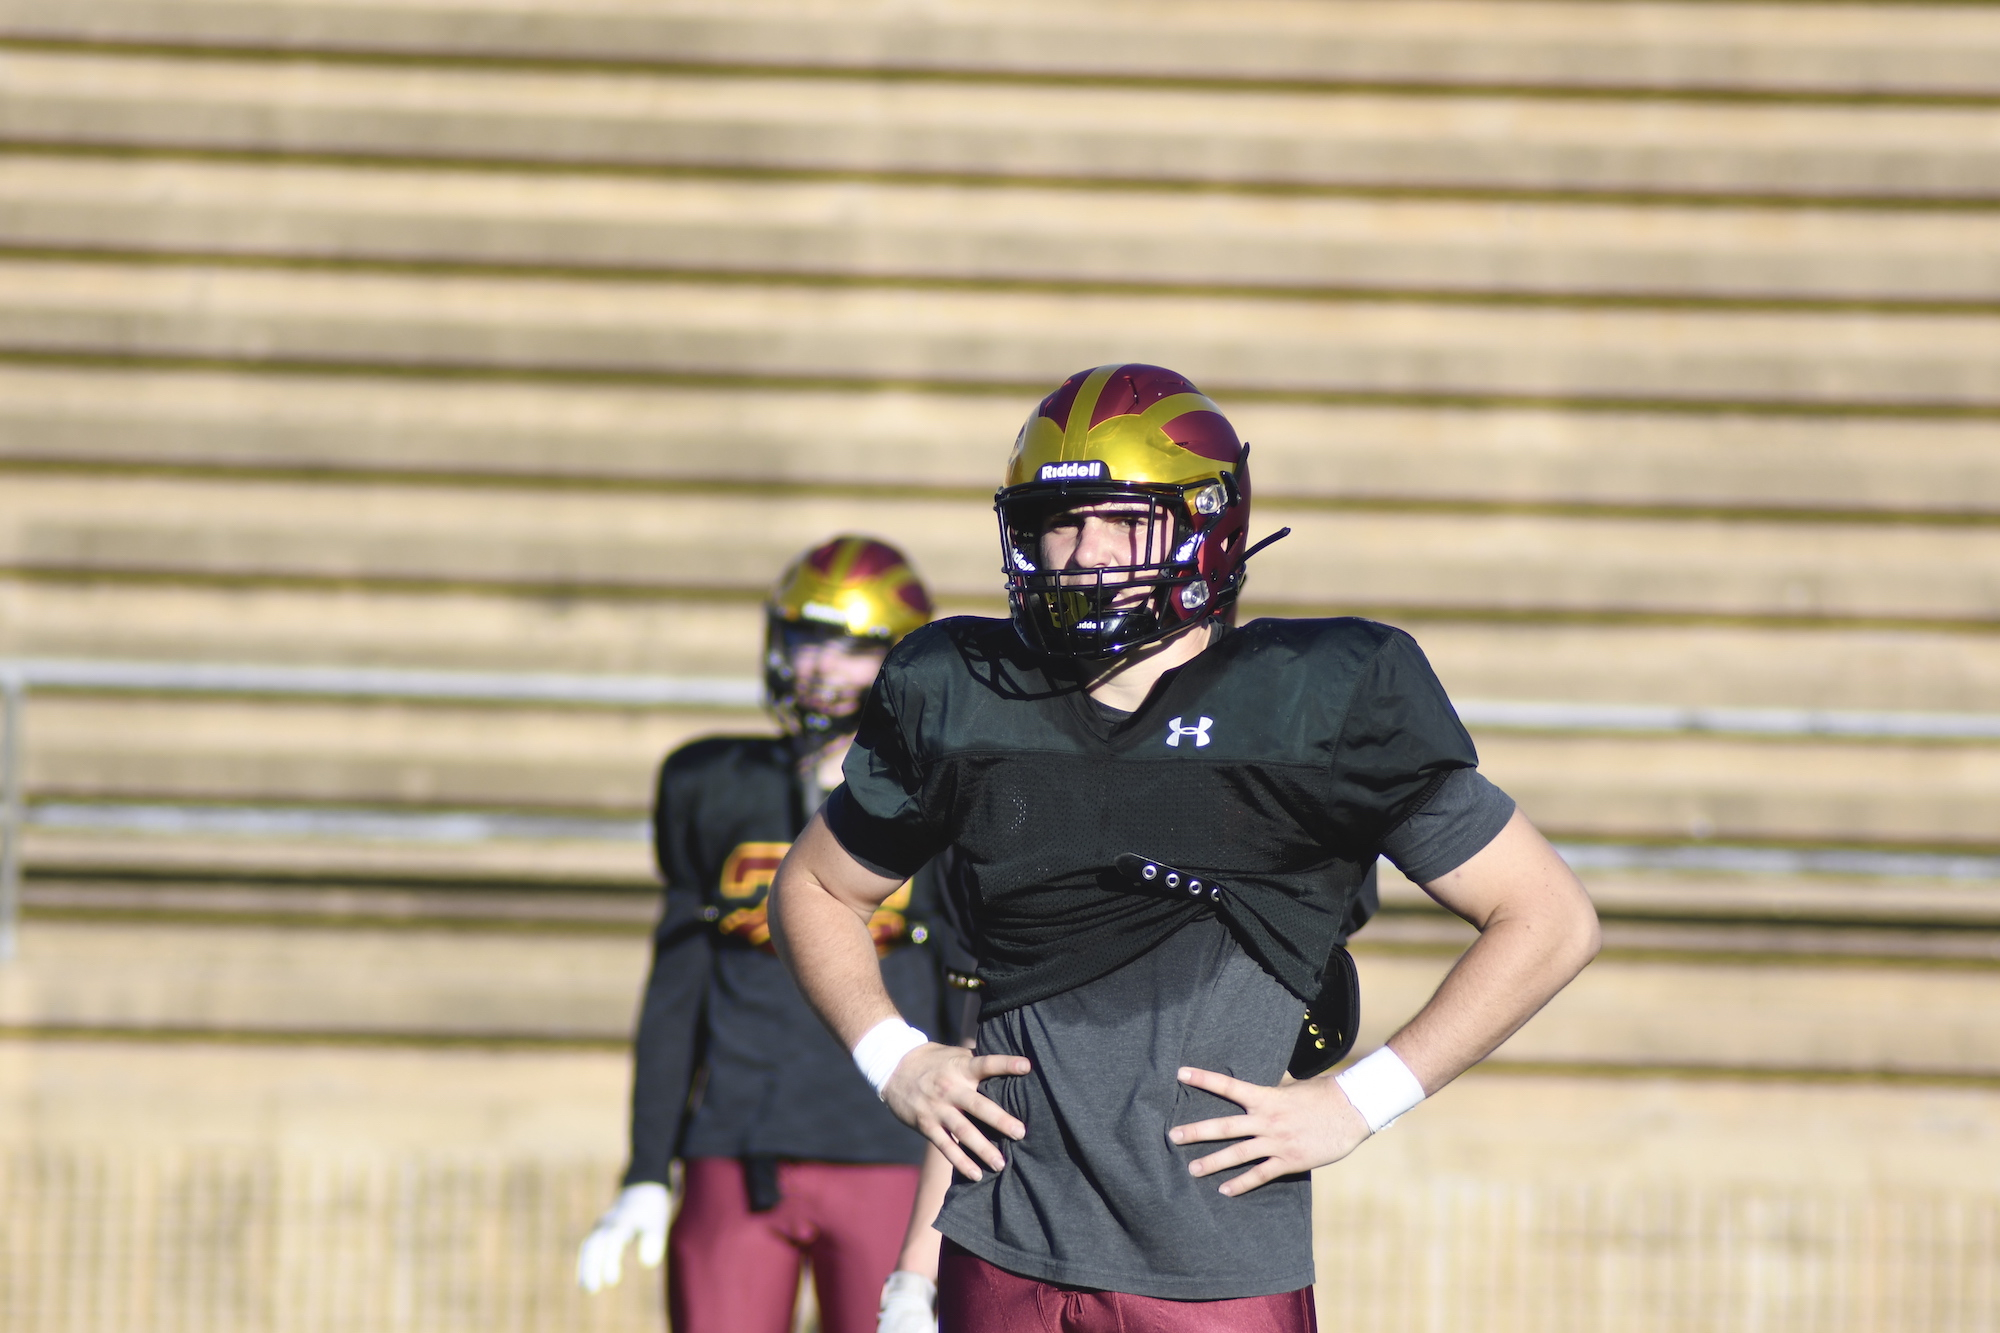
point(1087, 470)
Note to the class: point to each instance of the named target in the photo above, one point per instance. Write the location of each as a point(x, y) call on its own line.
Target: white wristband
point(1381, 1087)
point(883, 1047)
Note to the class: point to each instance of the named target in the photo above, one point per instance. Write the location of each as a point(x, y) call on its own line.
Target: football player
point(1163, 822)
point(784, 1152)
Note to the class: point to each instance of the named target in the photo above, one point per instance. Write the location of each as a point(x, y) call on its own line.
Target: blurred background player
point(783, 1151)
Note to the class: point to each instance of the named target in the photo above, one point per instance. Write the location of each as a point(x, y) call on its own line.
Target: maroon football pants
point(730, 1270)
point(976, 1297)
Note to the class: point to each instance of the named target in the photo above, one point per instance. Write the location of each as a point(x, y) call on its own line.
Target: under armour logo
point(1199, 731)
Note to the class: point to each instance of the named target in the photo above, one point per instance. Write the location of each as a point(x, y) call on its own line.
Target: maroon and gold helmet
point(853, 588)
point(1136, 439)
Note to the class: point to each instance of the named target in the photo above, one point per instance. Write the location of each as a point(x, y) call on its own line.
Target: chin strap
point(1281, 532)
point(1242, 568)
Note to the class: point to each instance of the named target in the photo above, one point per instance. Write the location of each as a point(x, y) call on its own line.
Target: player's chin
point(837, 706)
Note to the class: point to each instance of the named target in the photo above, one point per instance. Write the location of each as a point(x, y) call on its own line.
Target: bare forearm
point(824, 940)
point(1537, 931)
point(1501, 982)
point(820, 904)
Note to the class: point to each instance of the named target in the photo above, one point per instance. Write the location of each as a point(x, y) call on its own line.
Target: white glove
point(641, 1210)
point(909, 1304)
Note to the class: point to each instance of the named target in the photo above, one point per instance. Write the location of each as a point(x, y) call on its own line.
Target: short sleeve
point(675, 826)
point(1450, 828)
point(878, 813)
point(1400, 737)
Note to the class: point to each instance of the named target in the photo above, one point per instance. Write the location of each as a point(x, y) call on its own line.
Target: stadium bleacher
point(1626, 353)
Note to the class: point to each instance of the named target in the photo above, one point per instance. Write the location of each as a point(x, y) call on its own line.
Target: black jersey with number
point(1274, 762)
point(731, 1062)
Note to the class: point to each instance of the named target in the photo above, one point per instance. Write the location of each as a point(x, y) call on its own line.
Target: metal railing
point(1641, 719)
point(19, 676)
point(13, 715)
point(519, 687)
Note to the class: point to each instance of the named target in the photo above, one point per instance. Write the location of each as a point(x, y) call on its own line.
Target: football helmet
point(852, 588)
point(1142, 444)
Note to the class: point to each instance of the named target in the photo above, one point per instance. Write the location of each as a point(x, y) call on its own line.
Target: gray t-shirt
point(1096, 1195)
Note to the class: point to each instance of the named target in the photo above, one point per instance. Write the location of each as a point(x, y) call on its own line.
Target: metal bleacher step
point(1745, 916)
point(1811, 1015)
point(524, 900)
point(1728, 788)
point(1768, 665)
point(1612, 660)
point(578, 986)
point(1937, 49)
point(997, 234)
point(535, 433)
point(455, 537)
point(342, 753)
point(160, 619)
point(134, 862)
point(101, 975)
point(959, 129)
point(346, 754)
point(811, 336)
point(122, 417)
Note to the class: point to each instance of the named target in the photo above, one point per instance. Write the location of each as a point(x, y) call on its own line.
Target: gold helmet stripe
point(1177, 405)
point(889, 584)
point(1077, 434)
point(870, 605)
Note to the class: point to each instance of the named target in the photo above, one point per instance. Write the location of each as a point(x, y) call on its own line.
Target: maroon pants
point(976, 1297)
point(730, 1270)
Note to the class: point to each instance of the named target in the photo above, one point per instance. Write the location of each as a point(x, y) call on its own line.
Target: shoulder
point(1328, 640)
point(944, 649)
point(952, 684)
point(955, 637)
point(1373, 684)
point(714, 757)
point(1334, 670)
point(726, 778)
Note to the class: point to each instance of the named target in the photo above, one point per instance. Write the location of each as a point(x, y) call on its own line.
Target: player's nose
point(1099, 545)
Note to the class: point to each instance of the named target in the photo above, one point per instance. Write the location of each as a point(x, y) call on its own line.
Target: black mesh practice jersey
point(731, 1061)
point(1274, 762)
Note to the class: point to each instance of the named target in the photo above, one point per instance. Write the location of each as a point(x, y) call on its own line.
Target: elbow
point(1586, 935)
point(776, 902)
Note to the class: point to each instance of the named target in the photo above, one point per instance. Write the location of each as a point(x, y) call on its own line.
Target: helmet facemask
point(850, 595)
point(1141, 441)
point(811, 716)
point(1165, 544)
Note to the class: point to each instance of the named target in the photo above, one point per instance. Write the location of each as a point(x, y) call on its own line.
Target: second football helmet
point(848, 588)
